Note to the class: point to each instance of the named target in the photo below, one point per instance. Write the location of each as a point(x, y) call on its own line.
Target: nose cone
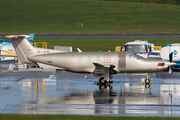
point(168, 64)
point(163, 65)
point(157, 65)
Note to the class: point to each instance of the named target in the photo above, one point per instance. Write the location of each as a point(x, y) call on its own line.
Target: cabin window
point(89, 58)
point(80, 58)
point(98, 58)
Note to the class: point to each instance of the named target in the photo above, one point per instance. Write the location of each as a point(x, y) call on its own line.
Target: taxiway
point(52, 92)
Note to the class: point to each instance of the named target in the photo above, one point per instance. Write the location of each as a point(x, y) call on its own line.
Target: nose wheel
point(147, 81)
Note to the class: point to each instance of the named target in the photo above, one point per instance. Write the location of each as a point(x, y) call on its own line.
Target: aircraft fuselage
point(83, 61)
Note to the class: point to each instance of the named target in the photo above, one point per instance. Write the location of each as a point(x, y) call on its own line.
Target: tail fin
point(31, 39)
point(22, 47)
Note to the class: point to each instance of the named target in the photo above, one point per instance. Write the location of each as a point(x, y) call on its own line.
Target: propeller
point(150, 50)
point(170, 59)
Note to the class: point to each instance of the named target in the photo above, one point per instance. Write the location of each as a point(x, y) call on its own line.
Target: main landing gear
point(103, 81)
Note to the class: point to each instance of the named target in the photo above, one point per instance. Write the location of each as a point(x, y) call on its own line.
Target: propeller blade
point(171, 63)
point(150, 50)
point(170, 71)
point(171, 57)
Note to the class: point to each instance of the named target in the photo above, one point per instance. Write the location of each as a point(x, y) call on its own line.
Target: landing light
point(160, 64)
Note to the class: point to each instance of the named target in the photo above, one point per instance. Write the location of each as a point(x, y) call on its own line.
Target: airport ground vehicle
point(142, 48)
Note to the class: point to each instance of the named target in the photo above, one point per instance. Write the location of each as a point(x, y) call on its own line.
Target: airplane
point(7, 51)
point(103, 64)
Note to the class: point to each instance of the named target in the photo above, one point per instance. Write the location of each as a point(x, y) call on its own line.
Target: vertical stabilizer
point(22, 47)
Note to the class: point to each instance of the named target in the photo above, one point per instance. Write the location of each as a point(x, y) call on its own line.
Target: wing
point(48, 66)
point(101, 69)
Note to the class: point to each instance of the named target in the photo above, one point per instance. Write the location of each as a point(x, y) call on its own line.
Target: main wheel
point(102, 81)
point(102, 87)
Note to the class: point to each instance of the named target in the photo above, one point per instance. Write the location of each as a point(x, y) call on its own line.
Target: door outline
point(105, 58)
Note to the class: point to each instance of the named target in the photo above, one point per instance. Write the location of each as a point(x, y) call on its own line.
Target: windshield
point(138, 56)
point(135, 57)
point(136, 48)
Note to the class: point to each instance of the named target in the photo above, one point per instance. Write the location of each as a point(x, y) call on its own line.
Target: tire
point(147, 86)
point(101, 80)
point(102, 87)
point(147, 81)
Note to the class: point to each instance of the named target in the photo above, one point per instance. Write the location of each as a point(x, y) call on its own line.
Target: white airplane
point(7, 51)
point(99, 63)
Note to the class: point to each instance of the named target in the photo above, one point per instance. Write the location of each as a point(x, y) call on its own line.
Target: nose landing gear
point(147, 83)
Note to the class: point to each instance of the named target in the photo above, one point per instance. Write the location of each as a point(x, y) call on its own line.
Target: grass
point(73, 117)
point(99, 44)
point(97, 16)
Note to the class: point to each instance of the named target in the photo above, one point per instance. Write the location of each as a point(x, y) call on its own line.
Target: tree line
point(172, 2)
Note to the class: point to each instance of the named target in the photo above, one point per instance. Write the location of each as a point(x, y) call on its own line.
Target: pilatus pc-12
point(103, 64)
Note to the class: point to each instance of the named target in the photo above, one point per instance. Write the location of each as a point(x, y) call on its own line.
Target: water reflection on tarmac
point(51, 92)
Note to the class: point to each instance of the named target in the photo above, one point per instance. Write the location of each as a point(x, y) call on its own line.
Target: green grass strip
point(99, 44)
point(74, 117)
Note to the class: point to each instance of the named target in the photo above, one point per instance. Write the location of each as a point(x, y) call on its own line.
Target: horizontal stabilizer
point(18, 36)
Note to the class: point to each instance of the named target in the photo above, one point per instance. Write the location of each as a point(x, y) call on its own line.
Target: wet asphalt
point(58, 92)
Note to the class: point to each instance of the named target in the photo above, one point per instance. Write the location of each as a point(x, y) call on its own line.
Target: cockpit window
point(135, 56)
point(139, 57)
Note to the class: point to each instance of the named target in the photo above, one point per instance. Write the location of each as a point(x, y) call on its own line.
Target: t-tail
point(22, 47)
